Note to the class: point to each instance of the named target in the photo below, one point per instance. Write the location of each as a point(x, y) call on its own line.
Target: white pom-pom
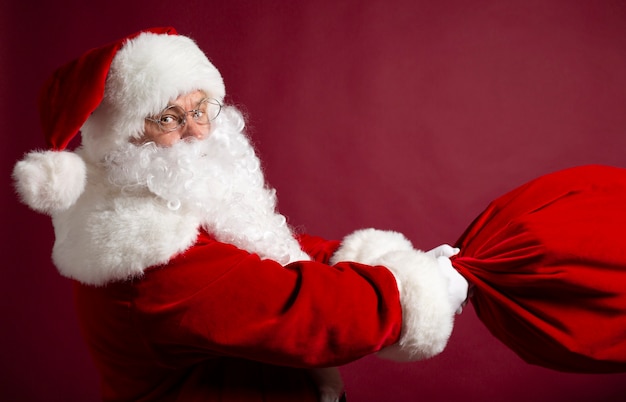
point(50, 181)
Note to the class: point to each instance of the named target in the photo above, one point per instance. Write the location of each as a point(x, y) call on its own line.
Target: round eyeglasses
point(173, 117)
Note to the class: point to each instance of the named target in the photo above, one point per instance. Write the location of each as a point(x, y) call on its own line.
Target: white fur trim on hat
point(427, 316)
point(50, 181)
point(146, 74)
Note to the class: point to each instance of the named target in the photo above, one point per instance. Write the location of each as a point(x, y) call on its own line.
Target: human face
point(191, 129)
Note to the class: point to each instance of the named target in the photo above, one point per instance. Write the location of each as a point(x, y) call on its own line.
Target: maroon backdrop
point(405, 115)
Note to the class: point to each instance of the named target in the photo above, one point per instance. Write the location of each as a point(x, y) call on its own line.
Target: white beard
point(219, 180)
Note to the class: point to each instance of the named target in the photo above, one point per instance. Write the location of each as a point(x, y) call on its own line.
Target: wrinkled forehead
point(188, 100)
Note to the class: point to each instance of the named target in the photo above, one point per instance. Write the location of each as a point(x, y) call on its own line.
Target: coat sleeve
point(218, 300)
point(427, 312)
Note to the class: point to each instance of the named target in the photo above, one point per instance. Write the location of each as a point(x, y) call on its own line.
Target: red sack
point(548, 262)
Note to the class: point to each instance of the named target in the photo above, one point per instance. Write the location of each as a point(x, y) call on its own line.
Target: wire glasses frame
point(173, 117)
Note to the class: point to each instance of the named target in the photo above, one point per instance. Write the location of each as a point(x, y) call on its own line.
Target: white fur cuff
point(427, 314)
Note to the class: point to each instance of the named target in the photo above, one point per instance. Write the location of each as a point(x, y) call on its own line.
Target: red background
point(405, 115)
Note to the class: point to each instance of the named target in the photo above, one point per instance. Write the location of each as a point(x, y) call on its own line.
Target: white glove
point(457, 285)
point(445, 250)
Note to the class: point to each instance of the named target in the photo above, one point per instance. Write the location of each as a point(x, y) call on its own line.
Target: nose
point(195, 130)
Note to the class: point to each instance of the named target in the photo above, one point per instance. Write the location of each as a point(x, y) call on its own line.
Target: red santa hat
point(105, 95)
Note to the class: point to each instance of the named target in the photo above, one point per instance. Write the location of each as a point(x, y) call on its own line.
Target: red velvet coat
point(220, 324)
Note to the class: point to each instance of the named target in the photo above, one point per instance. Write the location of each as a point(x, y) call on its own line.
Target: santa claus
point(189, 284)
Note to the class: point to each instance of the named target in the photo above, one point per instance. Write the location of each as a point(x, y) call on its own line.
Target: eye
point(200, 113)
point(169, 121)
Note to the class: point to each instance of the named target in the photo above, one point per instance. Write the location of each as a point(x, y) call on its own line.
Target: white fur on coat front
point(105, 237)
point(427, 316)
